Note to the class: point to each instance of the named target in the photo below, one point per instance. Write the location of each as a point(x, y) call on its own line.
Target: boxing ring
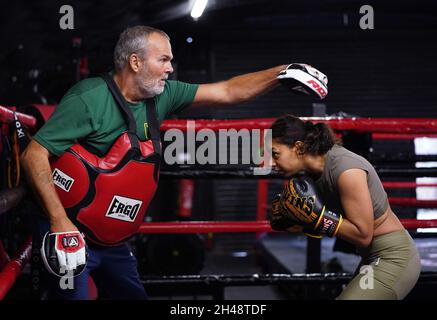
point(378, 129)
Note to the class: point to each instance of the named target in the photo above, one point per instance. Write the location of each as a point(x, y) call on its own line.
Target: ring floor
point(289, 253)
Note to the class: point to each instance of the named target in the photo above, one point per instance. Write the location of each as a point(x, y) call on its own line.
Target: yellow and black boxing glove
point(302, 202)
point(280, 221)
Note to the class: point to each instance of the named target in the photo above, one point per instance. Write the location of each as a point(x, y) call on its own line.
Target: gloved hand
point(278, 219)
point(64, 253)
point(303, 204)
point(280, 222)
point(303, 78)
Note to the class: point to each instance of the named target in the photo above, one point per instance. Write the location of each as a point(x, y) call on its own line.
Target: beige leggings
point(389, 269)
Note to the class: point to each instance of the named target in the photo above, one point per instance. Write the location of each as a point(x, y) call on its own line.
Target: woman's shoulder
point(342, 159)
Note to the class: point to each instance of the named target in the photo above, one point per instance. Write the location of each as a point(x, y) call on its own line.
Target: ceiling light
point(198, 8)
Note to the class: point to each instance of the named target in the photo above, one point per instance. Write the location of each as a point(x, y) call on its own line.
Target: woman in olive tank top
point(350, 186)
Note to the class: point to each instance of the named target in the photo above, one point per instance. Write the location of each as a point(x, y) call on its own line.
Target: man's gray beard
point(148, 89)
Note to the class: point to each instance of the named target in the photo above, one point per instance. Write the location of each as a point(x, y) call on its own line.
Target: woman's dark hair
point(317, 138)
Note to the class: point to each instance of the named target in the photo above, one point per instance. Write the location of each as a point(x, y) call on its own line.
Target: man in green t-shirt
point(89, 115)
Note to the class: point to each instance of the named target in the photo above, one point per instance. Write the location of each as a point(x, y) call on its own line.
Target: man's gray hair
point(133, 40)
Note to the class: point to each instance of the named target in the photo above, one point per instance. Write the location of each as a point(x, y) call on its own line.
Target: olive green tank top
point(339, 159)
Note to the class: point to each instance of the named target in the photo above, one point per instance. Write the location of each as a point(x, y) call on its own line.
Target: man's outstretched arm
point(298, 77)
point(238, 89)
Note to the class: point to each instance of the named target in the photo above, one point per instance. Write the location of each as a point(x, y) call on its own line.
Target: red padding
point(242, 226)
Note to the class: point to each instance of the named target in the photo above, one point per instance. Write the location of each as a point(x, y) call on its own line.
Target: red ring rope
point(242, 226)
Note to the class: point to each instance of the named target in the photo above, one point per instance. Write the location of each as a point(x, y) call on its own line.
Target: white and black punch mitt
point(64, 253)
point(303, 78)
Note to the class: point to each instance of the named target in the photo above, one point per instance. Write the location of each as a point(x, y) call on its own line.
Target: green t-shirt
point(89, 115)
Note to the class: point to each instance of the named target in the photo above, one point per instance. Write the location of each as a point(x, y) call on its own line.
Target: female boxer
point(350, 189)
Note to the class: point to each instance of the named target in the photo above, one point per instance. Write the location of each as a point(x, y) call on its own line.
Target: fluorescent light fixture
point(426, 214)
point(239, 254)
point(198, 8)
point(424, 146)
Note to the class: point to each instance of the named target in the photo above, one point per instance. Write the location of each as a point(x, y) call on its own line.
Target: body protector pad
point(107, 197)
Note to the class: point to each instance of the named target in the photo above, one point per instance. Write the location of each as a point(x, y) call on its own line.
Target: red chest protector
point(107, 197)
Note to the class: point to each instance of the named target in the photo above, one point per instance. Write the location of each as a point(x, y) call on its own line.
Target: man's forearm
point(237, 89)
point(39, 176)
point(249, 86)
